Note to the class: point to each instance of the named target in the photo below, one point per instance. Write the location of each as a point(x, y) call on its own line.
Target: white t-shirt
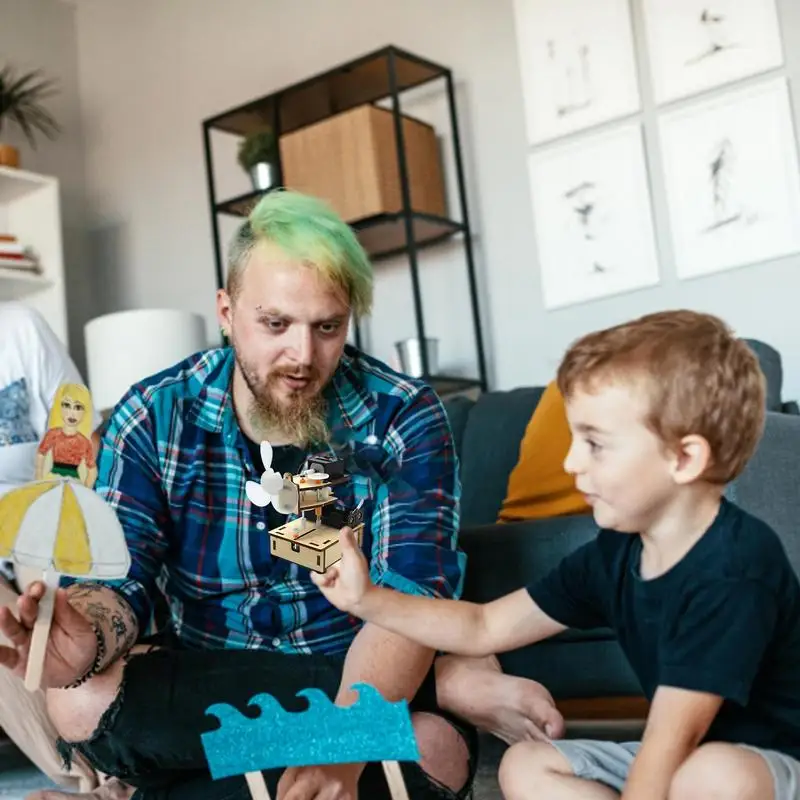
point(33, 364)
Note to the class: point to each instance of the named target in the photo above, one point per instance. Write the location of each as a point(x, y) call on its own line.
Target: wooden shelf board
point(365, 80)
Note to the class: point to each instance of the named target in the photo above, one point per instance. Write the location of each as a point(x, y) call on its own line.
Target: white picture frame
point(731, 179)
point(593, 217)
point(694, 45)
point(577, 63)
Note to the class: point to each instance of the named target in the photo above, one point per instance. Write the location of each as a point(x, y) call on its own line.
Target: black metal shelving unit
point(378, 76)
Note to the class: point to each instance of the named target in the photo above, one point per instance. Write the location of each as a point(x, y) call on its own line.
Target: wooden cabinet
point(351, 161)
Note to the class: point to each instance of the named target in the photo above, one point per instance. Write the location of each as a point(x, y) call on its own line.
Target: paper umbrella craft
point(58, 525)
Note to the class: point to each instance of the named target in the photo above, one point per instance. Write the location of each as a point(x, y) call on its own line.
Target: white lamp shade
point(128, 346)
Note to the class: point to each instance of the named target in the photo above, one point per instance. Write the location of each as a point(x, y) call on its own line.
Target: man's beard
point(302, 421)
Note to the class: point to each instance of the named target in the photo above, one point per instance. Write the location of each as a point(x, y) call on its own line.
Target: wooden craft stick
point(41, 632)
point(257, 786)
point(394, 777)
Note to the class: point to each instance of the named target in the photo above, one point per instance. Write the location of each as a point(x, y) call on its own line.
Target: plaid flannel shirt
point(173, 463)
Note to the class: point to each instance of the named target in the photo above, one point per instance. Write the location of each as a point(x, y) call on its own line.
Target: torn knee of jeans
point(86, 747)
point(451, 779)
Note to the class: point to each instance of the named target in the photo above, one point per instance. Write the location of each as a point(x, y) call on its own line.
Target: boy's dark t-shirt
point(724, 620)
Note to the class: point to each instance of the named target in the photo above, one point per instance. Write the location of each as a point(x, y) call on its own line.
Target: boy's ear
point(692, 459)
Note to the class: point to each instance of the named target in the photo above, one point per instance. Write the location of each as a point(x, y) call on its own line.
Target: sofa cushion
point(539, 487)
point(490, 449)
point(575, 669)
point(768, 487)
point(504, 557)
point(769, 360)
point(457, 409)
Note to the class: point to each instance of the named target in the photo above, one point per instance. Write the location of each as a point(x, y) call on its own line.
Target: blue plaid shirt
point(174, 462)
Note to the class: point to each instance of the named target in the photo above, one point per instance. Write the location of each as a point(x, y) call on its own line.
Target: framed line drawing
point(696, 45)
point(593, 218)
point(577, 62)
point(732, 180)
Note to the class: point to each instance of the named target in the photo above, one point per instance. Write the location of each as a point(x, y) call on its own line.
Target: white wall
point(40, 34)
point(150, 71)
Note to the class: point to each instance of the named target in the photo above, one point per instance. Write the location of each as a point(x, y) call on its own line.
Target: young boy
point(664, 411)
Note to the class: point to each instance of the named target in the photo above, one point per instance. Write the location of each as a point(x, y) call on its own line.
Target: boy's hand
point(347, 582)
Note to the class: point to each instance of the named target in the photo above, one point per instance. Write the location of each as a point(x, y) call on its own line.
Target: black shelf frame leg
point(213, 202)
point(462, 197)
point(407, 209)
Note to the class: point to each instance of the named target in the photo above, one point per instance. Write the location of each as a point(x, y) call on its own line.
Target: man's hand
point(346, 583)
point(71, 646)
point(334, 782)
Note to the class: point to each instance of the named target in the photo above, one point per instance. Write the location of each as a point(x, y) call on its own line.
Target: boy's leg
point(738, 772)
point(578, 769)
point(23, 716)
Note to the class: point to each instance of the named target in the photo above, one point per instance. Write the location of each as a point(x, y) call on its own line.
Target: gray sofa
point(503, 557)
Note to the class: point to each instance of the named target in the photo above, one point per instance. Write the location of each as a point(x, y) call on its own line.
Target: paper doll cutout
point(66, 449)
point(371, 729)
point(57, 524)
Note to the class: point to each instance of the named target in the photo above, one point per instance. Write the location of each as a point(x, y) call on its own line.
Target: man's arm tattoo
point(111, 613)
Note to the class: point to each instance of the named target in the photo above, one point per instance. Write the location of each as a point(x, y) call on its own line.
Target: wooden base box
point(350, 160)
point(316, 548)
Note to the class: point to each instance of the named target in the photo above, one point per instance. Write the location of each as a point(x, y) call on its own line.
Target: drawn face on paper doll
point(72, 412)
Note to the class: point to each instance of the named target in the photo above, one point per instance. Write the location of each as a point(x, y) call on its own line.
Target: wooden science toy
point(370, 730)
point(57, 524)
point(312, 539)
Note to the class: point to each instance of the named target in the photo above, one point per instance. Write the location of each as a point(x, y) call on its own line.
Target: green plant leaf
point(258, 147)
point(21, 97)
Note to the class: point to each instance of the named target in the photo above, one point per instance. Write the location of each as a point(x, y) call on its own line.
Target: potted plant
point(20, 104)
point(258, 155)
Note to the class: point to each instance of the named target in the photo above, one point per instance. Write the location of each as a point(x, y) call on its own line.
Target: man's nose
point(303, 345)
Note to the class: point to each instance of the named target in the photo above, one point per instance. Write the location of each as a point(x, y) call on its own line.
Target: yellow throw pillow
point(539, 486)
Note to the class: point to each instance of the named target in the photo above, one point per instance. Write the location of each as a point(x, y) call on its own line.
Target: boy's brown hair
point(700, 379)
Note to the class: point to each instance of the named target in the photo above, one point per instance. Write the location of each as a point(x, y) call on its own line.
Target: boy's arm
point(677, 722)
point(457, 626)
point(454, 626)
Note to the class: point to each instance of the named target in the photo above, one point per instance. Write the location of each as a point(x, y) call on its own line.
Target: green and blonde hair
point(307, 230)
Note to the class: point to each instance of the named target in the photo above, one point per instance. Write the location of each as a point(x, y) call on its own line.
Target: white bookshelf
point(30, 210)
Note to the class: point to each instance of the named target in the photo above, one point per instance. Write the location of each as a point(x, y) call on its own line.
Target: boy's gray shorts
point(609, 762)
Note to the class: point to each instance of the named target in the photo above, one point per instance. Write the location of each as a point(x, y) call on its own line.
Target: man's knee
point(723, 771)
point(444, 754)
point(76, 713)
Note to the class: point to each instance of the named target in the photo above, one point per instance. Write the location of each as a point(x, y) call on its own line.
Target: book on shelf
point(14, 255)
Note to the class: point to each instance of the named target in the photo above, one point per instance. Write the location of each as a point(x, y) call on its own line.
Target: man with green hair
point(176, 457)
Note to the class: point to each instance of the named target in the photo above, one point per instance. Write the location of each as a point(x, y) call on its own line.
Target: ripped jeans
point(150, 737)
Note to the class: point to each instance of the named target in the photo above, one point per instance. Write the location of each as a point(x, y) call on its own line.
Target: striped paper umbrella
point(63, 526)
point(60, 527)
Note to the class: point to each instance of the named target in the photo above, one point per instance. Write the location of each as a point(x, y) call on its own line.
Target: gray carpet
point(18, 777)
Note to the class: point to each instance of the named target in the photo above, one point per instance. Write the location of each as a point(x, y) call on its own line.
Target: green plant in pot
point(21, 97)
point(258, 156)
